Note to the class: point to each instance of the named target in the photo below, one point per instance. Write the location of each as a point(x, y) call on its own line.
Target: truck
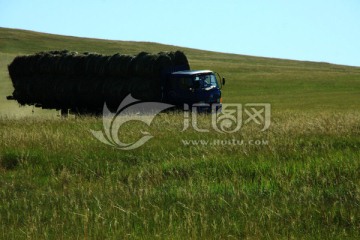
point(82, 83)
point(193, 87)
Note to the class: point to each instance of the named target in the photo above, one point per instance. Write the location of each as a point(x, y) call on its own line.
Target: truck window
point(213, 80)
point(207, 80)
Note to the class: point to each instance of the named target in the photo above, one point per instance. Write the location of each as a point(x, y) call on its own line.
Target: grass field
point(57, 181)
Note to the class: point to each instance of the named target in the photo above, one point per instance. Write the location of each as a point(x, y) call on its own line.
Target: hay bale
point(179, 60)
point(146, 89)
point(118, 65)
point(69, 80)
point(163, 64)
point(114, 90)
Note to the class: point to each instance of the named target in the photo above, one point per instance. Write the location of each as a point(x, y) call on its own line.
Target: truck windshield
point(207, 80)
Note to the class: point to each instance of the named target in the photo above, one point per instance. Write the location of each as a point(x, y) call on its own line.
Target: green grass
point(303, 184)
point(57, 181)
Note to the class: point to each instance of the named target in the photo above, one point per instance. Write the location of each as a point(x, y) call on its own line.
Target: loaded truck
point(82, 83)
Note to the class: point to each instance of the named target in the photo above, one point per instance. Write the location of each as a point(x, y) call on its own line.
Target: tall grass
point(57, 181)
point(301, 181)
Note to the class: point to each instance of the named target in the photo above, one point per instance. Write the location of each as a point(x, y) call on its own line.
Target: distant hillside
point(27, 42)
point(287, 84)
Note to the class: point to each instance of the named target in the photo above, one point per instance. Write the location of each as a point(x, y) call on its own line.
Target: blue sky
point(316, 30)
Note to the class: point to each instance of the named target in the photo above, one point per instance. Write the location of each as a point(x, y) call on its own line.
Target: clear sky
point(315, 30)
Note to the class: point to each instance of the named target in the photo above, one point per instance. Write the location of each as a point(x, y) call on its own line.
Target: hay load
point(82, 82)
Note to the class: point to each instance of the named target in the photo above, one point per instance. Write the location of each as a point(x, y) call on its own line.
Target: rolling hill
point(286, 84)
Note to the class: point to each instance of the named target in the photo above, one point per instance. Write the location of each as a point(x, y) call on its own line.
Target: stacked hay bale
point(83, 82)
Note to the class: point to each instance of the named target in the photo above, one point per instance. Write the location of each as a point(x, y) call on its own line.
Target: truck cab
point(193, 87)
